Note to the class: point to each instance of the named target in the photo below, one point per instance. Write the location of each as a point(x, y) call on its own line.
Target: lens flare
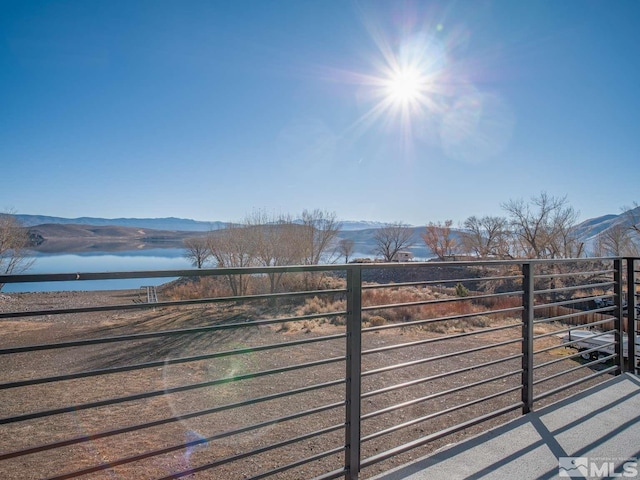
point(407, 86)
point(419, 86)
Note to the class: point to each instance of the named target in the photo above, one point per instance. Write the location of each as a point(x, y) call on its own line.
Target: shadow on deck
point(601, 425)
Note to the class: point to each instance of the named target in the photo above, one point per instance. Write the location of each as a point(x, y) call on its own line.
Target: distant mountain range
point(588, 230)
point(58, 238)
point(91, 234)
point(103, 234)
point(167, 223)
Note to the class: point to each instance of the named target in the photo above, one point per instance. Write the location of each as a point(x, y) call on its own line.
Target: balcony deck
point(601, 423)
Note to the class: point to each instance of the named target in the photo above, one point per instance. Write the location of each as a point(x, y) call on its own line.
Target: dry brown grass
point(477, 311)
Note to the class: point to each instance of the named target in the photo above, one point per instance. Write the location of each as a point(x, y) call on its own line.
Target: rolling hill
point(57, 238)
point(167, 223)
point(57, 234)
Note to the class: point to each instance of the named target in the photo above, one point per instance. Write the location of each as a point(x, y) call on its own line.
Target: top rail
point(203, 272)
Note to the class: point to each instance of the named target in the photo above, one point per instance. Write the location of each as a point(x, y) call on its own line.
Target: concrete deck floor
point(600, 425)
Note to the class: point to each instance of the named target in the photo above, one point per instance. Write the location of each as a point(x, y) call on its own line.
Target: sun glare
point(419, 89)
point(407, 86)
point(407, 83)
point(404, 86)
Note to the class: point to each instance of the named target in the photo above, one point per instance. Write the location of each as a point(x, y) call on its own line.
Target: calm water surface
point(96, 262)
point(155, 259)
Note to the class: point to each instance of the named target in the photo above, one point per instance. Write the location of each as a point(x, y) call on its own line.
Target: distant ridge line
point(165, 223)
point(586, 231)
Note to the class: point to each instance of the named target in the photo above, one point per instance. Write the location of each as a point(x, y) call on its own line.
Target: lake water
point(129, 261)
point(96, 262)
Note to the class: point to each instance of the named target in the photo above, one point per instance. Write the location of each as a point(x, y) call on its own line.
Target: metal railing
point(330, 371)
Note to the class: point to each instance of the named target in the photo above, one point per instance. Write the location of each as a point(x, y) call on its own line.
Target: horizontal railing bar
point(299, 463)
point(193, 443)
point(424, 418)
point(437, 339)
point(573, 369)
point(439, 357)
point(144, 274)
point(204, 272)
point(574, 327)
point(574, 383)
point(418, 381)
point(340, 472)
point(172, 361)
point(166, 391)
point(471, 263)
point(142, 456)
point(441, 319)
point(442, 393)
point(173, 303)
point(102, 308)
point(165, 333)
point(573, 315)
point(574, 274)
point(603, 310)
point(438, 282)
point(440, 301)
point(570, 302)
point(572, 342)
point(257, 451)
point(182, 417)
point(423, 440)
point(572, 356)
point(574, 287)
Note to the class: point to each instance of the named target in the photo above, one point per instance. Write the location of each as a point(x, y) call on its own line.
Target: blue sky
point(376, 110)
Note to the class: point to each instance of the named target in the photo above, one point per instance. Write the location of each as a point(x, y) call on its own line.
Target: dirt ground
point(204, 400)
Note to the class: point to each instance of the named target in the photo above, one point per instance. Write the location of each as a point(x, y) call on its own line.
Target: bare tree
point(391, 239)
point(321, 228)
point(616, 241)
point(14, 241)
point(564, 242)
point(345, 248)
point(268, 240)
point(197, 251)
point(543, 228)
point(274, 242)
point(439, 239)
point(233, 247)
point(486, 237)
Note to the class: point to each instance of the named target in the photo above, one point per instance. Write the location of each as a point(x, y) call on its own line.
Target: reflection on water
point(130, 261)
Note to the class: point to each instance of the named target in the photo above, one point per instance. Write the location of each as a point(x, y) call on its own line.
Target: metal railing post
point(617, 321)
point(353, 373)
point(527, 337)
point(631, 315)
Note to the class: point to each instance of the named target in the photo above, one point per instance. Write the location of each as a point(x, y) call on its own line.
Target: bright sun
point(404, 86)
point(407, 84)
